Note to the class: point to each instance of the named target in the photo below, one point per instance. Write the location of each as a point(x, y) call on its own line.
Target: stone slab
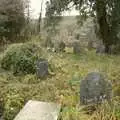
point(35, 110)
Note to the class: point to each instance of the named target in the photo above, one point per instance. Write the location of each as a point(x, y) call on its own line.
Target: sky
point(35, 8)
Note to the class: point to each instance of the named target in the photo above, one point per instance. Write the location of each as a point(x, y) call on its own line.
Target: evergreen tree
point(12, 19)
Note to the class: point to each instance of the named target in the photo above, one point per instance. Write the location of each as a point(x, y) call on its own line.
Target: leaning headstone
point(95, 89)
point(100, 49)
point(76, 48)
point(35, 110)
point(60, 47)
point(42, 68)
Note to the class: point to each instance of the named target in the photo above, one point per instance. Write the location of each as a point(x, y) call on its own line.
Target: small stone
point(100, 49)
point(60, 47)
point(95, 89)
point(42, 68)
point(76, 48)
point(35, 110)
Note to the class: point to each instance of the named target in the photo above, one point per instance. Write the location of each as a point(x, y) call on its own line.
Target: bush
point(30, 79)
point(21, 58)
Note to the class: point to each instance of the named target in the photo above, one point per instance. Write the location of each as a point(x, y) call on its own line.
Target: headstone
point(94, 89)
point(76, 48)
point(42, 68)
point(35, 110)
point(90, 44)
point(60, 47)
point(100, 49)
point(77, 36)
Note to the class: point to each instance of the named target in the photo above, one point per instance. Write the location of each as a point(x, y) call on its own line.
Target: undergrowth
point(62, 86)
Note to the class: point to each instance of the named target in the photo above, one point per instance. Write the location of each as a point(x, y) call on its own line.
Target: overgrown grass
point(62, 86)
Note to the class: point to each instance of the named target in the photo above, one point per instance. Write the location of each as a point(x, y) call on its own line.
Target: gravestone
point(35, 110)
point(94, 89)
point(76, 48)
point(60, 47)
point(100, 49)
point(42, 68)
point(90, 44)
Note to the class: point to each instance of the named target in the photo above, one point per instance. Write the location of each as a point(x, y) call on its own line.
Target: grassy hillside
point(62, 85)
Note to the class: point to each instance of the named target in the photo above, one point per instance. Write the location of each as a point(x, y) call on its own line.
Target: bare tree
point(40, 16)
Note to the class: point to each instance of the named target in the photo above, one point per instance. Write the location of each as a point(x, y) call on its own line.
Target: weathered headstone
point(42, 68)
point(76, 48)
point(90, 44)
point(60, 47)
point(95, 89)
point(100, 49)
point(35, 110)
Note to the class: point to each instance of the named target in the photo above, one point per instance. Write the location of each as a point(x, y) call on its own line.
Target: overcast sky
point(35, 7)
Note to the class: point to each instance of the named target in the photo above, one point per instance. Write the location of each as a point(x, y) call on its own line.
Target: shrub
point(21, 58)
point(30, 79)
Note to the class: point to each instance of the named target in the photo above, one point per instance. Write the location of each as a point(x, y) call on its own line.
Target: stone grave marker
point(100, 49)
point(35, 110)
point(95, 89)
point(76, 48)
point(42, 68)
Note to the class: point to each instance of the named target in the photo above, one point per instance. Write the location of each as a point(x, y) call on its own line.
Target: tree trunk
point(102, 21)
point(40, 17)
